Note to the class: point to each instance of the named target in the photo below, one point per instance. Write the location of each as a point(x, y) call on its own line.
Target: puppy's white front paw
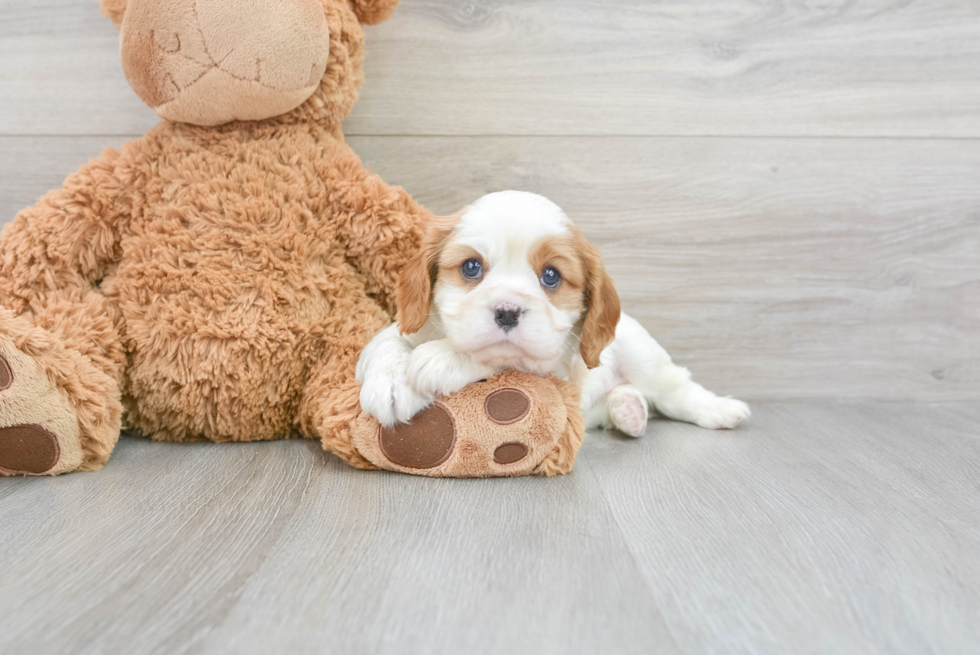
point(721, 413)
point(387, 396)
point(436, 370)
point(408, 402)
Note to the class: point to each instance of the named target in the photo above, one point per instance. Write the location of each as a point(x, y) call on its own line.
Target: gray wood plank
point(60, 72)
point(814, 528)
point(729, 67)
point(774, 268)
point(277, 547)
point(859, 522)
point(634, 67)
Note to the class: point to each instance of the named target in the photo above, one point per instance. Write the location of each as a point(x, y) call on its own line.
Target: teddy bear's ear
point(369, 12)
point(113, 10)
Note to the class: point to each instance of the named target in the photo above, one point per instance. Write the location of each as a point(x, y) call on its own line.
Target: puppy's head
point(511, 280)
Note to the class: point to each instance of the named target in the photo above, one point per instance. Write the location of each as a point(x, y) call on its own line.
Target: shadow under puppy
point(510, 283)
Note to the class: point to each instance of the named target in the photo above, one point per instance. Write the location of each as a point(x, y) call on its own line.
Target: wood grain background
point(787, 193)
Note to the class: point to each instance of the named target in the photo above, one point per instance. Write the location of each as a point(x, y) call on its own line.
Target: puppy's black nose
point(507, 317)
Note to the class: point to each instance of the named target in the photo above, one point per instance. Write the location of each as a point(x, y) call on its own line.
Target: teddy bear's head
point(209, 62)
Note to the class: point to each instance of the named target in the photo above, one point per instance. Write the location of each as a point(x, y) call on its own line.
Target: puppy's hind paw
point(628, 410)
point(721, 413)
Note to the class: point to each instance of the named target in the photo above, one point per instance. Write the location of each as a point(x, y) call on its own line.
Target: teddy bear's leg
point(331, 399)
point(61, 359)
point(330, 406)
point(514, 424)
point(510, 424)
point(561, 459)
point(59, 392)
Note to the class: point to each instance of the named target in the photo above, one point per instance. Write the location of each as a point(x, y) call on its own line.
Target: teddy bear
point(217, 278)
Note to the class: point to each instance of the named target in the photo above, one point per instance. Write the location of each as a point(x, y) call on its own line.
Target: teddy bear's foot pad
point(28, 449)
point(422, 444)
point(39, 428)
point(503, 426)
point(6, 374)
point(508, 453)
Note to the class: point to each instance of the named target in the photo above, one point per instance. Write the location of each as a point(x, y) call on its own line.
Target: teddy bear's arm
point(380, 226)
point(66, 240)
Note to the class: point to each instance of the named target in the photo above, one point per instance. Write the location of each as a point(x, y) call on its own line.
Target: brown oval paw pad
point(508, 453)
point(28, 449)
point(6, 374)
point(424, 443)
point(506, 406)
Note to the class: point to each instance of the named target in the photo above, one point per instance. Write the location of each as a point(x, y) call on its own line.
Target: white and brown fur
point(448, 331)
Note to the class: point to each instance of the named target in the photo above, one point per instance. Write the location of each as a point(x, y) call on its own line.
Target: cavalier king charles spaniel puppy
point(510, 283)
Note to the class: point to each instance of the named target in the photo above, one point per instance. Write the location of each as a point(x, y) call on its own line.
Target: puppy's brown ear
point(601, 308)
point(413, 295)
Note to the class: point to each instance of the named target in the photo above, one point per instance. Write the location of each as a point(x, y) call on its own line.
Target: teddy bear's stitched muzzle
point(209, 62)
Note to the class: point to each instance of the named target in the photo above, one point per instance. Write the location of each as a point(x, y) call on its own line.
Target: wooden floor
point(788, 196)
point(815, 528)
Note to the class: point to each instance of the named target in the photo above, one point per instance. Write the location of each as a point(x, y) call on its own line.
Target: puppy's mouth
point(508, 347)
point(520, 345)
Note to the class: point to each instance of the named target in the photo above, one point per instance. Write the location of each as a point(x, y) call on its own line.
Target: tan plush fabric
point(208, 62)
point(561, 459)
point(372, 12)
point(113, 10)
point(466, 436)
point(334, 97)
point(214, 283)
point(59, 389)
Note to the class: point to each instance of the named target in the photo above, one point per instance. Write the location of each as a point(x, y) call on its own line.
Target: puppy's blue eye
point(472, 269)
point(550, 277)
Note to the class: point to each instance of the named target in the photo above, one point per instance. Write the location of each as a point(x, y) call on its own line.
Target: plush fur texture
point(208, 62)
point(550, 432)
point(372, 12)
point(58, 388)
point(208, 283)
point(218, 283)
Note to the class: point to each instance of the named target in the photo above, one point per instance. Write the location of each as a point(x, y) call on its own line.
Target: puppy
point(510, 283)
